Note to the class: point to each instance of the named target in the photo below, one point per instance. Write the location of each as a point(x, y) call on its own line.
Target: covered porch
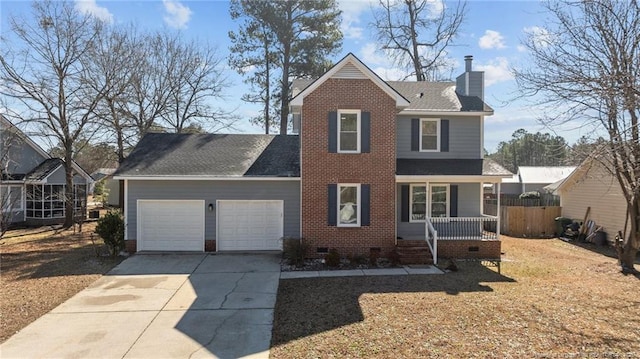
point(446, 214)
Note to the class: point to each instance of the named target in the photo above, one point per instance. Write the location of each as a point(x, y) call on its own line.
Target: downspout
point(498, 211)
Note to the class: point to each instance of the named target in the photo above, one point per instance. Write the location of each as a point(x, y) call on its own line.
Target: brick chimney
point(470, 83)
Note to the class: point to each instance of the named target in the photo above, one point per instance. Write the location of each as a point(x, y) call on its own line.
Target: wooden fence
point(529, 222)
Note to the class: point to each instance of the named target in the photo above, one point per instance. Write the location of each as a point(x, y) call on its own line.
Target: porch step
point(414, 252)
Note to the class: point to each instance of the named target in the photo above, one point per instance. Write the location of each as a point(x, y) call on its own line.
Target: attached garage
point(171, 225)
point(249, 225)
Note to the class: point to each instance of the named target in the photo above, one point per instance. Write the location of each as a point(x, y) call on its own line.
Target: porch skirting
point(469, 249)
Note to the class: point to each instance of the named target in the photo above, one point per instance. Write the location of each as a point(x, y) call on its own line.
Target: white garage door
point(170, 225)
point(249, 225)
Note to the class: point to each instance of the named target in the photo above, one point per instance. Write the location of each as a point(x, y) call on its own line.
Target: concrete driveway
point(163, 306)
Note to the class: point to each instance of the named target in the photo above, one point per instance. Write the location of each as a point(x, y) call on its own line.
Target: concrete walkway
point(163, 306)
point(406, 270)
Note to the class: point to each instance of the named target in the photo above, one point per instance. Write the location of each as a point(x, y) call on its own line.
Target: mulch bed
point(552, 300)
point(43, 267)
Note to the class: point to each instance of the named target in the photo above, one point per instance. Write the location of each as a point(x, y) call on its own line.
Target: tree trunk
point(68, 195)
point(284, 95)
point(628, 249)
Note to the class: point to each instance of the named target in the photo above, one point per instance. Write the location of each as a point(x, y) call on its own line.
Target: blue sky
point(492, 34)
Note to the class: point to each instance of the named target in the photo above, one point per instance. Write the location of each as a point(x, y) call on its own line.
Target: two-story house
point(32, 183)
point(375, 163)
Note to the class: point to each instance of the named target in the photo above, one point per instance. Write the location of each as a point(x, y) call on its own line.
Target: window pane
point(429, 127)
point(349, 122)
point(348, 141)
point(439, 201)
point(418, 211)
point(419, 194)
point(438, 194)
point(429, 142)
point(438, 209)
point(348, 205)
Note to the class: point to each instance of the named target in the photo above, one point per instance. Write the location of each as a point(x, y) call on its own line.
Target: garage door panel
point(250, 225)
point(171, 225)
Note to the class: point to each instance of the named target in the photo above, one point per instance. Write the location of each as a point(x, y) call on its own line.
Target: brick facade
point(321, 168)
point(469, 249)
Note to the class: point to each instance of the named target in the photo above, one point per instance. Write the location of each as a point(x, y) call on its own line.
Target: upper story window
point(429, 135)
point(349, 128)
point(349, 205)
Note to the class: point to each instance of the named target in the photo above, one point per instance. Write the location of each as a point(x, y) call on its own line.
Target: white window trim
point(437, 120)
point(429, 200)
point(358, 205)
point(359, 129)
point(411, 186)
point(430, 194)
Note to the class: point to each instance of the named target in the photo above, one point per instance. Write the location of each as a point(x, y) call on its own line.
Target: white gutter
point(204, 178)
point(445, 178)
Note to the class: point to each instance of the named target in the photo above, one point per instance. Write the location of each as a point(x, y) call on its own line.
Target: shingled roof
point(426, 96)
point(213, 155)
point(44, 169)
point(449, 167)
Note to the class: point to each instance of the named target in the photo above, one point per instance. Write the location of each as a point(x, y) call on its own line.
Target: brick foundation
point(466, 249)
point(131, 246)
point(209, 245)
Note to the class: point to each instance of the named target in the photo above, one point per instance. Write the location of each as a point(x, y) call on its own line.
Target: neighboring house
point(112, 186)
point(374, 163)
point(534, 178)
point(33, 183)
point(591, 185)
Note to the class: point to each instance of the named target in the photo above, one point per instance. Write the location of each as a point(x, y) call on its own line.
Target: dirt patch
point(552, 299)
point(43, 267)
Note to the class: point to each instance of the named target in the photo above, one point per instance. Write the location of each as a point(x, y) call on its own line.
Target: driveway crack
point(222, 325)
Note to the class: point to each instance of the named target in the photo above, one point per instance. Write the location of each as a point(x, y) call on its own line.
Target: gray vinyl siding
point(464, 139)
point(22, 157)
point(210, 192)
point(476, 84)
point(468, 206)
point(58, 177)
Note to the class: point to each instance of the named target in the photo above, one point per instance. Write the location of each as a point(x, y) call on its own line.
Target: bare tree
point(417, 33)
point(46, 74)
point(195, 81)
point(9, 197)
point(117, 61)
point(586, 67)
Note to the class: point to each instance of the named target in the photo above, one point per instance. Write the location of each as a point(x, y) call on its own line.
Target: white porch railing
point(431, 236)
point(463, 228)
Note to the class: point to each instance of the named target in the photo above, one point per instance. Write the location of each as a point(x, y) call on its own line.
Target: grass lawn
point(552, 300)
point(43, 267)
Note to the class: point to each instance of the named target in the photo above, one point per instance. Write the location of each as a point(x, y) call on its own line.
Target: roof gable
point(6, 125)
point(350, 67)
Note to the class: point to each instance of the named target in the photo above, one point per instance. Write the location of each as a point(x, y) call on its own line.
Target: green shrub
point(294, 250)
point(111, 229)
point(332, 258)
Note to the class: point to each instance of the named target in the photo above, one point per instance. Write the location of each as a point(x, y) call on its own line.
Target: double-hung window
point(418, 203)
point(349, 205)
point(429, 135)
point(439, 200)
point(432, 203)
point(349, 131)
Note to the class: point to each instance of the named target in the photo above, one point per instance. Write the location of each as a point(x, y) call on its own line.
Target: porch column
point(498, 212)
